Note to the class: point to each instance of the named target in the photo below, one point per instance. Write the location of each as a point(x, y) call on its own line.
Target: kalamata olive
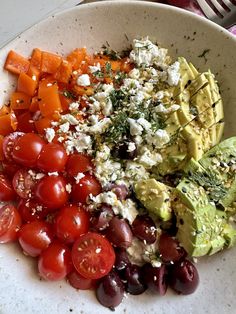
point(122, 259)
point(110, 291)
point(169, 249)
point(144, 228)
point(134, 281)
point(125, 150)
point(183, 277)
point(155, 278)
point(119, 233)
point(120, 190)
point(100, 219)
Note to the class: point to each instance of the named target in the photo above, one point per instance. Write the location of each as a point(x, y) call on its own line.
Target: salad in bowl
point(114, 174)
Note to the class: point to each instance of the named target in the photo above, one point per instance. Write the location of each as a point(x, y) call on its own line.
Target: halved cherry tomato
point(23, 183)
point(10, 222)
point(7, 192)
point(79, 282)
point(86, 186)
point(31, 210)
point(92, 255)
point(55, 262)
point(78, 163)
point(34, 237)
point(27, 149)
point(51, 192)
point(52, 158)
point(9, 169)
point(71, 222)
point(8, 144)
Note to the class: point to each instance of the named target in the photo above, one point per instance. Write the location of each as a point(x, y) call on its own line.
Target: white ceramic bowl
point(118, 22)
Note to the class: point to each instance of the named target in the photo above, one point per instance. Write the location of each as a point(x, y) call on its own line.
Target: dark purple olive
point(119, 233)
point(155, 278)
point(110, 291)
point(169, 249)
point(144, 228)
point(183, 277)
point(120, 190)
point(134, 281)
point(101, 218)
point(122, 259)
point(125, 150)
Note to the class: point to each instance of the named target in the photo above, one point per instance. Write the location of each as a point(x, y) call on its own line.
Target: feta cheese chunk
point(83, 80)
point(173, 74)
point(50, 134)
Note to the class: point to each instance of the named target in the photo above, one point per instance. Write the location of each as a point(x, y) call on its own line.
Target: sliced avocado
point(155, 196)
point(217, 244)
point(219, 131)
point(173, 125)
point(220, 160)
point(229, 234)
point(194, 142)
point(197, 84)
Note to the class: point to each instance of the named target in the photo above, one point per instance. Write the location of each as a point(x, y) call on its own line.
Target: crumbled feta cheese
point(173, 74)
point(68, 187)
point(158, 139)
point(74, 106)
point(95, 68)
point(64, 128)
point(135, 127)
point(149, 158)
point(83, 80)
point(84, 142)
point(79, 176)
point(134, 74)
point(144, 123)
point(162, 109)
point(69, 118)
point(134, 171)
point(50, 134)
point(39, 176)
point(127, 209)
point(54, 173)
point(131, 147)
point(100, 126)
point(145, 53)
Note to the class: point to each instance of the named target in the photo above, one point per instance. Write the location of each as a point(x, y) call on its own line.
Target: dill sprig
point(118, 128)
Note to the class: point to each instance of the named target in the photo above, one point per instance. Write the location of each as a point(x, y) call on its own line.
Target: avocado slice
point(155, 196)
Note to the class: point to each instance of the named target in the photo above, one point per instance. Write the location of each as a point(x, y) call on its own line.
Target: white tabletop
point(18, 15)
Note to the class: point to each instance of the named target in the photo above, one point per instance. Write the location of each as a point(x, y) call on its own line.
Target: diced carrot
point(64, 71)
point(14, 121)
point(20, 100)
point(26, 84)
point(76, 57)
point(4, 110)
point(16, 63)
point(34, 105)
point(65, 102)
point(108, 80)
point(35, 60)
point(5, 124)
point(126, 66)
point(49, 100)
point(79, 90)
point(34, 74)
point(115, 65)
point(50, 62)
point(42, 124)
point(1, 148)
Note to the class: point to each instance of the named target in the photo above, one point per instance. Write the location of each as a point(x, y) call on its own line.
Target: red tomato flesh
point(27, 148)
point(93, 256)
point(34, 237)
point(55, 262)
point(71, 222)
point(7, 192)
point(79, 282)
point(78, 163)
point(10, 222)
point(86, 186)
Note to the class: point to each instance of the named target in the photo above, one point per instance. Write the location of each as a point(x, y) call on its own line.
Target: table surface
point(16, 16)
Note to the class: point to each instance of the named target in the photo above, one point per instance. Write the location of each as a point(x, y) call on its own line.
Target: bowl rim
point(102, 3)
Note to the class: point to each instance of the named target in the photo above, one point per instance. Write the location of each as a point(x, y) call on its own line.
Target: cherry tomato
point(93, 256)
point(10, 222)
point(34, 237)
point(27, 149)
point(78, 163)
point(31, 210)
point(52, 157)
point(71, 222)
point(79, 282)
point(23, 183)
point(9, 168)
point(7, 192)
point(55, 262)
point(8, 144)
point(87, 185)
point(51, 192)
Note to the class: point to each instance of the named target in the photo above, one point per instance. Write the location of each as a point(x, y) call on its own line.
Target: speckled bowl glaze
point(118, 22)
